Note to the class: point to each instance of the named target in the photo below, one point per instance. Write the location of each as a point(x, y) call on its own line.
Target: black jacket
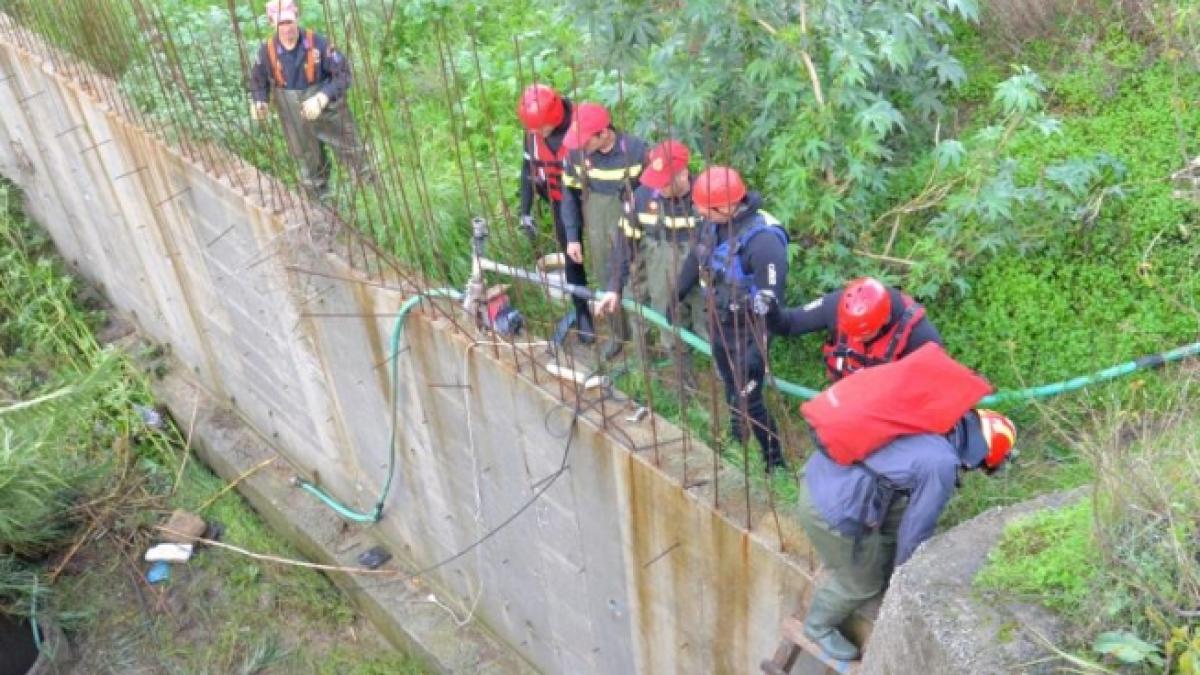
point(821, 314)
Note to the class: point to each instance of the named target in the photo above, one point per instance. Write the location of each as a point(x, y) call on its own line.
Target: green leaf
point(882, 117)
point(947, 69)
point(1125, 647)
point(967, 9)
point(1021, 93)
point(949, 153)
point(1049, 126)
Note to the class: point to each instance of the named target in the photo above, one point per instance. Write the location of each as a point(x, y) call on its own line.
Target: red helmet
point(865, 307)
point(718, 186)
point(540, 106)
point(1000, 434)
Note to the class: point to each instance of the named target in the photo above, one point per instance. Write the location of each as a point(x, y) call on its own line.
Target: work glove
point(528, 228)
point(313, 106)
point(765, 303)
point(258, 110)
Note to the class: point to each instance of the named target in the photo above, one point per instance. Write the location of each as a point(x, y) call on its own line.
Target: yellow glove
point(314, 105)
point(258, 110)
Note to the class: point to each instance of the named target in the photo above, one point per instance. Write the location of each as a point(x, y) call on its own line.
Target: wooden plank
point(784, 659)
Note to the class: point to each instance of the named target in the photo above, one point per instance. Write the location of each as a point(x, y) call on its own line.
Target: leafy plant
point(1127, 648)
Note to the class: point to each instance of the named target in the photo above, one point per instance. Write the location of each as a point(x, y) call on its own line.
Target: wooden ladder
point(794, 642)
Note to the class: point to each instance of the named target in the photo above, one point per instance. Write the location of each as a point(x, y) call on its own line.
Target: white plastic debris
point(172, 553)
point(577, 377)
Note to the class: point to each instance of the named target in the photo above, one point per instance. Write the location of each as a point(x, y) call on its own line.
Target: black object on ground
point(373, 558)
point(214, 531)
point(17, 650)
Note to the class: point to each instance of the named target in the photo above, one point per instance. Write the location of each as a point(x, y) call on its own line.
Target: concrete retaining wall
point(616, 569)
point(933, 620)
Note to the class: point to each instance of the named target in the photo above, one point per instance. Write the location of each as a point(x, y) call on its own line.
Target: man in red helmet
point(741, 250)
point(308, 80)
point(868, 324)
point(867, 518)
point(652, 241)
point(601, 171)
point(546, 117)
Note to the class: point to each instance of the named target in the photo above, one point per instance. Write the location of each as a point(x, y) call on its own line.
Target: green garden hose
point(1038, 392)
point(397, 331)
point(700, 345)
point(1075, 383)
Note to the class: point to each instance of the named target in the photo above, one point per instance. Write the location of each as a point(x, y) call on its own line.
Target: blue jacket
point(925, 466)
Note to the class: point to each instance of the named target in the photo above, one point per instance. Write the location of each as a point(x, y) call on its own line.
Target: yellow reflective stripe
point(672, 223)
point(770, 219)
point(569, 180)
point(629, 230)
point(632, 171)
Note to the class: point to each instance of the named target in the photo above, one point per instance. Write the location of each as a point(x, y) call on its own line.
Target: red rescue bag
point(924, 392)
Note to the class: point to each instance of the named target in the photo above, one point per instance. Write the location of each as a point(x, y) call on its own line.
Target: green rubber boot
point(821, 626)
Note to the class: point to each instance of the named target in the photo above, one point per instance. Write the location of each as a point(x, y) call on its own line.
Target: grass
point(1122, 567)
point(83, 467)
point(1050, 557)
point(222, 613)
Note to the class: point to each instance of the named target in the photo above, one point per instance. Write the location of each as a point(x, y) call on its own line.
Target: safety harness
point(844, 356)
point(723, 276)
point(546, 166)
point(311, 60)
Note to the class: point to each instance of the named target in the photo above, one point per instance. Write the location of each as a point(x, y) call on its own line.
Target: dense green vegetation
point(83, 478)
point(1021, 189)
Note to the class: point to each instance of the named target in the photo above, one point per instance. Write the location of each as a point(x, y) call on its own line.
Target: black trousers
point(742, 368)
point(575, 272)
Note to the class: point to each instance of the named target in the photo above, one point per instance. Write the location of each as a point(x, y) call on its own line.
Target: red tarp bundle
point(924, 392)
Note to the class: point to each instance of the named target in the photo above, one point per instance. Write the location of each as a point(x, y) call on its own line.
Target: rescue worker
point(653, 239)
point(307, 79)
point(867, 323)
point(546, 117)
point(865, 519)
point(740, 250)
point(601, 171)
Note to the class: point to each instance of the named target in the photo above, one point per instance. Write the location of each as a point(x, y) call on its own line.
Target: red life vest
point(844, 356)
point(545, 165)
point(310, 62)
point(925, 392)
